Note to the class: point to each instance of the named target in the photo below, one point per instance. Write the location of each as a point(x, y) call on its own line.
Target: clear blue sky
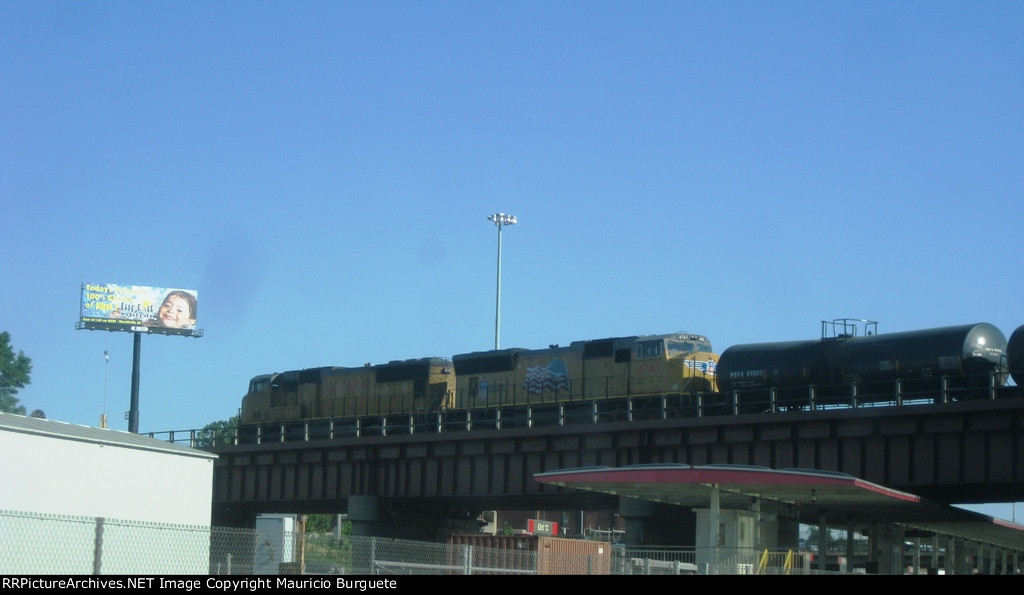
point(322, 171)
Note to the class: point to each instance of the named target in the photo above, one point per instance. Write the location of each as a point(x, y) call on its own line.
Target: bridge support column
point(635, 513)
point(655, 523)
point(364, 513)
point(884, 558)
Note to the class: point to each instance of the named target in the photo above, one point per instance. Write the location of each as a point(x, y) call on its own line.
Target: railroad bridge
point(956, 453)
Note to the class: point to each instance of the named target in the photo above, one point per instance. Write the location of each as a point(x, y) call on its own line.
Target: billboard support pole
point(139, 309)
point(133, 411)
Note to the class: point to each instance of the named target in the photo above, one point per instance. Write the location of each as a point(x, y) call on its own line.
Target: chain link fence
point(47, 544)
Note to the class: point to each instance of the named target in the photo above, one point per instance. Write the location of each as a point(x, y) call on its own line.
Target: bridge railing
point(897, 393)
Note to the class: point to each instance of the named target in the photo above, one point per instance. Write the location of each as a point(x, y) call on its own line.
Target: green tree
point(318, 523)
point(327, 551)
point(218, 433)
point(14, 375)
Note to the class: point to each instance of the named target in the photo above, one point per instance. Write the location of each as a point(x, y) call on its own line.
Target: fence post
point(302, 544)
point(97, 549)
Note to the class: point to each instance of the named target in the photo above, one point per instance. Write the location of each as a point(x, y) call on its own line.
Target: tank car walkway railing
point(855, 394)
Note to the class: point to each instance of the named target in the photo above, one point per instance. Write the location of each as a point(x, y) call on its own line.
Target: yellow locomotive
point(409, 386)
point(651, 365)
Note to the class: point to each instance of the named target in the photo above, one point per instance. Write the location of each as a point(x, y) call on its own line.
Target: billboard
point(138, 308)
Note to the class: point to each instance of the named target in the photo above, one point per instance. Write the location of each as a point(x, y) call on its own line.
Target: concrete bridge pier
point(364, 514)
point(650, 523)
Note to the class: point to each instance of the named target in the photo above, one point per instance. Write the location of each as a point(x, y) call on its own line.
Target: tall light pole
point(499, 220)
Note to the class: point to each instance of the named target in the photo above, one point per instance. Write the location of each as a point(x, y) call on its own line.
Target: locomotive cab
point(689, 365)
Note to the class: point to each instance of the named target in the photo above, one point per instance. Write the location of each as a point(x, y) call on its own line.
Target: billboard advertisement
point(138, 308)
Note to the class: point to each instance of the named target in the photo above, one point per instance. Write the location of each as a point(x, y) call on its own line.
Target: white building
point(70, 491)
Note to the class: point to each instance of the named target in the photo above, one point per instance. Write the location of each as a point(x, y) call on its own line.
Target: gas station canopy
point(842, 498)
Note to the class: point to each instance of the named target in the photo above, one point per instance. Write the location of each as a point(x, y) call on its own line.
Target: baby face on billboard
point(175, 312)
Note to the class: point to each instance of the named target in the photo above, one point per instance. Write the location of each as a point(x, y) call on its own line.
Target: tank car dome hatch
point(1015, 355)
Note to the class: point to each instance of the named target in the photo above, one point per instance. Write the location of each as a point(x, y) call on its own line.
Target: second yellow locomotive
point(672, 364)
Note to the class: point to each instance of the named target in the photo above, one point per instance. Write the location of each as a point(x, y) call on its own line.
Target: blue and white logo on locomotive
point(707, 367)
point(553, 377)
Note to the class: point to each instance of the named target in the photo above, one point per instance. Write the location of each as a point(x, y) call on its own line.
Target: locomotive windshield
point(259, 384)
point(672, 347)
point(677, 348)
